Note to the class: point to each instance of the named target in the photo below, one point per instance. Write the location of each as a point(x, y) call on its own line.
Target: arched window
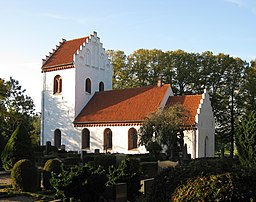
point(85, 139)
point(107, 138)
point(88, 85)
point(57, 138)
point(101, 86)
point(132, 138)
point(57, 84)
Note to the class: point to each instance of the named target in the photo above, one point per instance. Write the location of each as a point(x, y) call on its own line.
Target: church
point(81, 110)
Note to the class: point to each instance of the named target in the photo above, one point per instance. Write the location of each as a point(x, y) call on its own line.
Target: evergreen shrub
point(18, 147)
point(51, 166)
point(24, 176)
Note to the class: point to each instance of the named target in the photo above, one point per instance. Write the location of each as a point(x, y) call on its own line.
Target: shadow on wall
point(59, 115)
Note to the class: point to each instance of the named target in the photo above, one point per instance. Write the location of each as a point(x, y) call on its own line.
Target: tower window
point(132, 138)
point(101, 86)
point(57, 138)
point(107, 138)
point(88, 85)
point(85, 139)
point(57, 84)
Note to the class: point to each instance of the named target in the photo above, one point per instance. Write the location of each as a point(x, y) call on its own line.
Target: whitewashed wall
point(205, 133)
point(58, 109)
point(119, 139)
point(91, 62)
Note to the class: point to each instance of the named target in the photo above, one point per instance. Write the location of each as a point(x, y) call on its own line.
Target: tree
point(18, 147)
point(15, 108)
point(164, 128)
point(246, 140)
point(119, 63)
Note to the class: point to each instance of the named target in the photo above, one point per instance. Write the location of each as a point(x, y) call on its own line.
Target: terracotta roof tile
point(126, 105)
point(64, 54)
point(190, 102)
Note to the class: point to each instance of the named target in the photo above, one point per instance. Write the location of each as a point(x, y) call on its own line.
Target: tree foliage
point(16, 108)
point(246, 140)
point(163, 128)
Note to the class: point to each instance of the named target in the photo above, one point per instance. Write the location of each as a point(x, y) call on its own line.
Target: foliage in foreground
point(246, 140)
point(18, 147)
point(24, 176)
point(88, 183)
point(80, 183)
point(220, 187)
point(168, 180)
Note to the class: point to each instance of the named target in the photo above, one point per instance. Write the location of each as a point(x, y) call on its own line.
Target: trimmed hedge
point(24, 176)
point(51, 166)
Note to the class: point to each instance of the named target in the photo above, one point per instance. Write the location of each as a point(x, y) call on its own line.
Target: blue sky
point(29, 29)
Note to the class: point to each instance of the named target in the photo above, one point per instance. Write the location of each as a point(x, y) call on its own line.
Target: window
point(88, 85)
point(107, 138)
point(101, 86)
point(57, 138)
point(57, 85)
point(85, 139)
point(132, 138)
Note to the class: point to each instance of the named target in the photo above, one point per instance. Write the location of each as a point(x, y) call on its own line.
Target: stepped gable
point(62, 57)
point(190, 102)
point(131, 105)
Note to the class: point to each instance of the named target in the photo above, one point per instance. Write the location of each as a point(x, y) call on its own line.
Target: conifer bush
point(24, 176)
point(51, 166)
point(246, 140)
point(18, 147)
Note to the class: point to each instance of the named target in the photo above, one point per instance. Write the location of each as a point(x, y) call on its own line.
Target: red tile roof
point(125, 105)
point(190, 102)
point(64, 54)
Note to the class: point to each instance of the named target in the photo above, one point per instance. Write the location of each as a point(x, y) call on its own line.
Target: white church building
point(81, 111)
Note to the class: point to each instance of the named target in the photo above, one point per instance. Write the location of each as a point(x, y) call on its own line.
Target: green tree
point(119, 63)
point(18, 147)
point(248, 88)
point(164, 128)
point(15, 108)
point(246, 140)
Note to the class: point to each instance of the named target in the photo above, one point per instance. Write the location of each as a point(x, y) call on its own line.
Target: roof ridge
point(85, 37)
point(187, 95)
point(133, 88)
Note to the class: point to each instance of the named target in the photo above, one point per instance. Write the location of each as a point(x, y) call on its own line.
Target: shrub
point(105, 160)
point(18, 147)
point(80, 183)
point(51, 166)
point(221, 187)
point(24, 176)
point(169, 179)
